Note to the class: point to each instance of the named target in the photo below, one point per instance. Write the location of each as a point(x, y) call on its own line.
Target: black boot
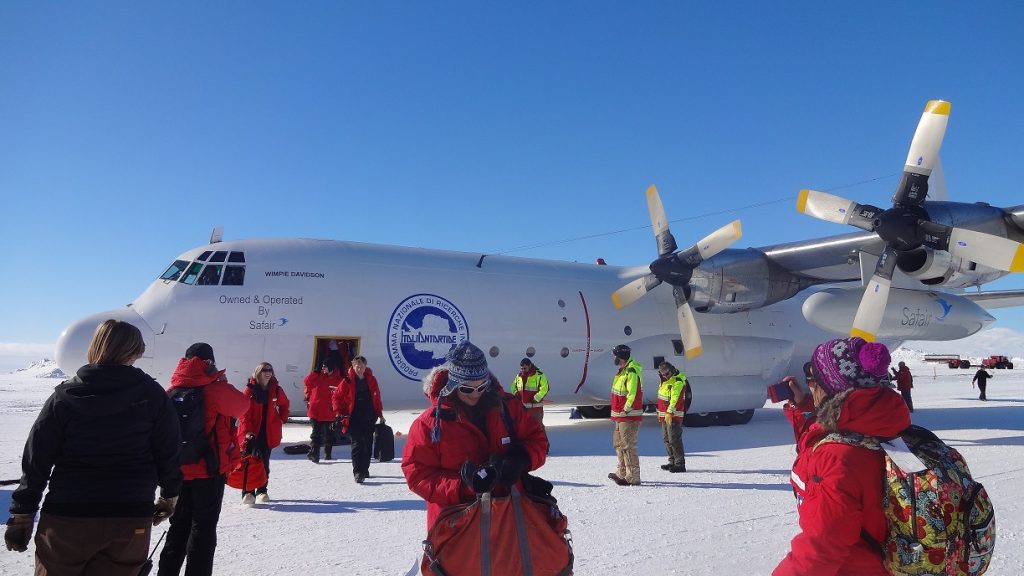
point(314, 454)
point(327, 451)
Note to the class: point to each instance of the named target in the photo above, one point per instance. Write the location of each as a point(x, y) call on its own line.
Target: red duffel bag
point(248, 475)
point(512, 535)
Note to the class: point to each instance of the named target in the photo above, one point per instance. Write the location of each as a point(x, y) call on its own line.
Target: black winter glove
point(19, 531)
point(511, 465)
point(247, 444)
point(480, 479)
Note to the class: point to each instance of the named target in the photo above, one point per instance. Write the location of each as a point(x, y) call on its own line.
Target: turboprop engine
point(739, 280)
point(909, 315)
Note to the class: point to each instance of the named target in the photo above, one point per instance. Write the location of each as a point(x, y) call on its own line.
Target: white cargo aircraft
point(732, 320)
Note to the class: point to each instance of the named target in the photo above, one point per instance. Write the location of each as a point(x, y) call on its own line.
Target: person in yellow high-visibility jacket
point(531, 386)
point(627, 413)
point(672, 396)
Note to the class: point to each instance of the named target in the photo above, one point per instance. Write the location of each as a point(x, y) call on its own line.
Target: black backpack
point(190, 404)
point(687, 397)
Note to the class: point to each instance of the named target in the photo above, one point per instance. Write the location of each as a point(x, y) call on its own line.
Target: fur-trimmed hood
point(878, 411)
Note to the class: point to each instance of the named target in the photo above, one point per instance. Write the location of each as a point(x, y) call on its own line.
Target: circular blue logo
point(422, 329)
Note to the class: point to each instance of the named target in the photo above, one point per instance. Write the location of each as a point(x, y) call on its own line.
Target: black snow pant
point(981, 387)
point(361, 432)
point(193, 530)
point(908, 399)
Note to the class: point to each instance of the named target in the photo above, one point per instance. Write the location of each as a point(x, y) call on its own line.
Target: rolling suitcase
point(383, 443)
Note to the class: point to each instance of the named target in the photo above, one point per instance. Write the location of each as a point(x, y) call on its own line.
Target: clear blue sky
point(128, 130)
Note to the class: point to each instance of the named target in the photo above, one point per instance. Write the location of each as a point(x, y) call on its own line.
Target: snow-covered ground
point(732, 513)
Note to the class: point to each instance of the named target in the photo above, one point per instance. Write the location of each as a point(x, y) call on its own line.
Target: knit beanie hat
point(200, 349)
point(846, 363)
point(465, 363)
point(622, 352)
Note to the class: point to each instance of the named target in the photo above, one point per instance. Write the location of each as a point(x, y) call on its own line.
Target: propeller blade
point(719, 239)
point(634, 291)
point(709, 246)
point(836, 209)
point(987, 249)
point(937, 183)
point(923, 154)
point(876, 294)
point(687, 325)
point(659, 222)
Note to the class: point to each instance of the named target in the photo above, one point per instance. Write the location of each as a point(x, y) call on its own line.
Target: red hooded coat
point(839, 487)
point(432, 468)
point(222, 402)
point(277, 414)
point(319, 389)
point(345, 395)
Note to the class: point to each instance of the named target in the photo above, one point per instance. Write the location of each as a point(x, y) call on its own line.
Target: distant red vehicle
point(951, 360)
point(997, 362)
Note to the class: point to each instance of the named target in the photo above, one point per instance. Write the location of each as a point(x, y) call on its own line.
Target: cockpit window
point(190, 275)
point(174, 270)
point(234, 276)
point(210, 275)
point(199, 274)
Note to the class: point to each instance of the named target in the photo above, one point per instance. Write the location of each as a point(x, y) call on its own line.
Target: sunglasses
point(267, 370)
point(475, 389)
point(810, 374)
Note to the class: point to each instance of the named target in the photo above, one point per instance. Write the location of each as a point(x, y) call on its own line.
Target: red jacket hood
point(879, 412)
point(191, 373)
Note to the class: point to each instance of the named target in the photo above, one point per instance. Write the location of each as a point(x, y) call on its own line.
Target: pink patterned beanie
point(847, 363)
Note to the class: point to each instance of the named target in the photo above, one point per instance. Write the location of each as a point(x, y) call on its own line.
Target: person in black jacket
point(981, 377)
point(103, 442)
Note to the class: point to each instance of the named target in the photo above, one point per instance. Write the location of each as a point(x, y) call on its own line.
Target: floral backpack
point(941, 522)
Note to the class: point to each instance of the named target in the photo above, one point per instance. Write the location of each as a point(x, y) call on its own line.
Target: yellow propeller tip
point(937, 107)
point(694, 352)
point(1017, 265)
point(737, 229)
point(616, 302)
point(857, 332)
point(652, 190)
point(801, 200)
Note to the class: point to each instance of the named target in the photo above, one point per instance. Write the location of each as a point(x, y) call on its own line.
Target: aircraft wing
point(996, 298)
point(832, 258)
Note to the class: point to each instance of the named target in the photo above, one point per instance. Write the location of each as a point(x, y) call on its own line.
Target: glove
point(163, 509)
point(668, 416)
point(247, 444)
point(510, 465)
point(343, 421)
point(19, 531)
point(480, 479)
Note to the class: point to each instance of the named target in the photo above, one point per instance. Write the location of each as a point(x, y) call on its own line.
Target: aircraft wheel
point(595, 411)
point(737, 417)
point(700, 419)
point(965, 364)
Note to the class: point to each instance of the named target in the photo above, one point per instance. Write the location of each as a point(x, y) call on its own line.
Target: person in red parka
point(799, 409)
point(259, 430)
point(838, 486)
point(357, 402)
point(461, 446)
point(904, 383)
point(320, 387)
point(193, 530)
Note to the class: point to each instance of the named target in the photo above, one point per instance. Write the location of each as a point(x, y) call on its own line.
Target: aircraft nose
point(73, 343)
